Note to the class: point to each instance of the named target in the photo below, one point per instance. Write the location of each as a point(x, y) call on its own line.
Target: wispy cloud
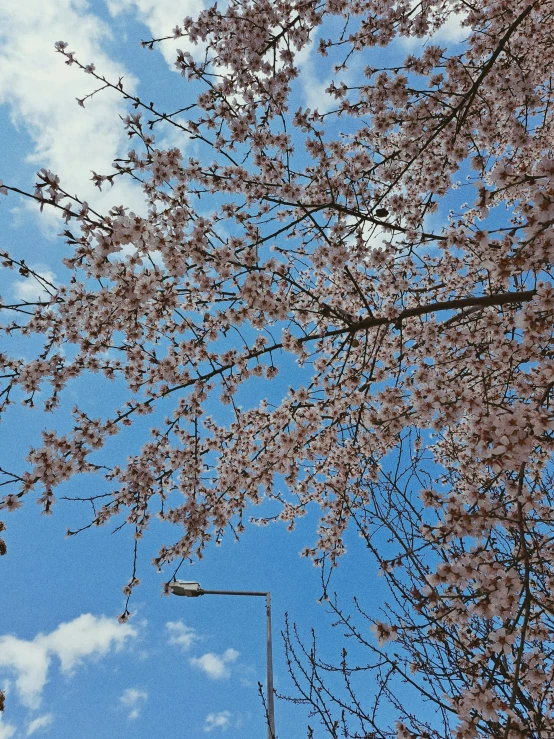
point(31, 289)
point(41, 722)
point(87, 636)
point(450, 32)
point(160, 17)
point(181, 635)
point(40, 91)
point(215, 666)
point(313, 85)
point(133, 699)
point(6, 730)
point(220, 720)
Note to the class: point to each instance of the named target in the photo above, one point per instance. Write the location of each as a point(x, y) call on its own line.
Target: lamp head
point(189, 589)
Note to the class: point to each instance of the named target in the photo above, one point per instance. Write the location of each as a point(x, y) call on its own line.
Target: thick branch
point(420, 310)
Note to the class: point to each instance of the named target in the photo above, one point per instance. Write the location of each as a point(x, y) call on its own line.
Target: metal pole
point(270, 706)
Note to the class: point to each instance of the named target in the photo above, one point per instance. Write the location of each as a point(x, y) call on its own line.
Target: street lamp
point(193, 590)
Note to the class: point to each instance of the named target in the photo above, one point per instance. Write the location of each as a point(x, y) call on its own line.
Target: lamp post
point(193, 590)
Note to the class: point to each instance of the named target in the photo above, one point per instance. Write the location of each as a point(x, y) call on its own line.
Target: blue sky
point(180, 667)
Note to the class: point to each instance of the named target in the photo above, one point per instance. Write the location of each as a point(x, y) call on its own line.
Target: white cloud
point(85, 636)
point(169, 136)
point(133, 698)
point(30, 663)
point(302, 56)
point(40, 91)
point(374, 236)
point(182, 635)
point(314, 92)
point(6, 730)
point(40, 722)
point(215, 666)
point(221, 720)
point(31, 289)
point(313, 88)
point(450, 32)
point(160, 17)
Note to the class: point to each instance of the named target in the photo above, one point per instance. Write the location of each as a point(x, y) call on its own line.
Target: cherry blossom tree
point(334, 241)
